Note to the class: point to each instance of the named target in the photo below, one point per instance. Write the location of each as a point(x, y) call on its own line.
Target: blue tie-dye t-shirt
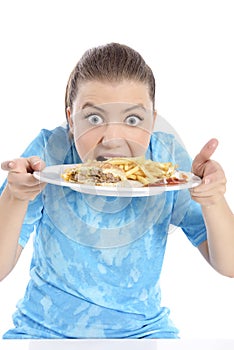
point(97, 260)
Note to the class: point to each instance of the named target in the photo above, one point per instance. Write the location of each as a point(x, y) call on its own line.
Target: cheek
point(139, 139)
point(86, 142)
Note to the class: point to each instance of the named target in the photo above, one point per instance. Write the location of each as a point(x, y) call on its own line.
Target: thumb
point(204, 155)
point(36, 163)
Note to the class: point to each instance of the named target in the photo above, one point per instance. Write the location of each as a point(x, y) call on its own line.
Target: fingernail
point(11, 165)
point(206, 181)
point(37, 162)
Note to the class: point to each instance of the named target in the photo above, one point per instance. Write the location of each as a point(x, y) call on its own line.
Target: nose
point(113, 135)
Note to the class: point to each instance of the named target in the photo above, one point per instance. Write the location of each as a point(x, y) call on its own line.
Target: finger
point(19, 165)
point(23, 165)
point(27, 188)
point(212, 180)
point(203, 157)
point(207, 151)
point(210, 191)
point(24, 185)
point(208, 196)
point(7, 165)
point(22, 179)
point(210, 188)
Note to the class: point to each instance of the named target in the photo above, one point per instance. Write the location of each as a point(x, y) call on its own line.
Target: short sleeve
point(34, 211)
point(186, 213)
point(54, 147)
point(31, 220)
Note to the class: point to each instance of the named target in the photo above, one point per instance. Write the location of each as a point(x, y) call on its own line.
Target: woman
point(97, 260)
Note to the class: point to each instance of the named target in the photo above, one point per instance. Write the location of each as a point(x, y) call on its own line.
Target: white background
point(189, 46)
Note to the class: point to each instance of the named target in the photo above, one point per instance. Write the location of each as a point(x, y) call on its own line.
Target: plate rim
point(194, 181)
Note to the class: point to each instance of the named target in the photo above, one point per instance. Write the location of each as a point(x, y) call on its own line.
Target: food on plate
point(113, 171)
point(95, 172)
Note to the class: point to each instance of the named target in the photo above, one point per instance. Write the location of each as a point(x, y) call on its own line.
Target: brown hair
point(111, 62)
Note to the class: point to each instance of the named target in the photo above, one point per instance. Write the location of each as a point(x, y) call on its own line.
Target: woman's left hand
point(213, 185)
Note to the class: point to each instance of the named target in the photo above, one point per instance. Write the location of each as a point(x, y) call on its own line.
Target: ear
point(69, 119)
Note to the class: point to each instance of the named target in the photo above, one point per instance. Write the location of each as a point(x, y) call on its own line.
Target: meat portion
point(95, 174)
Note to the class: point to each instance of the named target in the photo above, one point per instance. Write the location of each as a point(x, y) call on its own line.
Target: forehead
point(103, 92)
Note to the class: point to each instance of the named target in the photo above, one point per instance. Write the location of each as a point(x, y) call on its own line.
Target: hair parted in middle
point(110, 62)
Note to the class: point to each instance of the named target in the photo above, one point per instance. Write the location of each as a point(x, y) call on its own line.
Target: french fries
point(142, 170)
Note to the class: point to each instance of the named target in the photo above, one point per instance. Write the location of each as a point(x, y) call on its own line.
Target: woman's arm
point(219, 219)
point(220, 237)
point(20, 189)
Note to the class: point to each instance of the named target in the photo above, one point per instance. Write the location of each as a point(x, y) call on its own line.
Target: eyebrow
point(135, 107)
point(89, 104)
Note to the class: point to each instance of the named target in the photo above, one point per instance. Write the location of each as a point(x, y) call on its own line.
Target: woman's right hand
point(21, 183)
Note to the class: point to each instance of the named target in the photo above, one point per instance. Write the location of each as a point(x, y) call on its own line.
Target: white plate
point(52, 175)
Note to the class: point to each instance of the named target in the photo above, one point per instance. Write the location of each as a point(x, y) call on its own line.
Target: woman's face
point(111, 119)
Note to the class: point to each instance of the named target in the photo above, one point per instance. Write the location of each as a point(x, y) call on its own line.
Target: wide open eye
point(94, 119)
point(133, 120)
